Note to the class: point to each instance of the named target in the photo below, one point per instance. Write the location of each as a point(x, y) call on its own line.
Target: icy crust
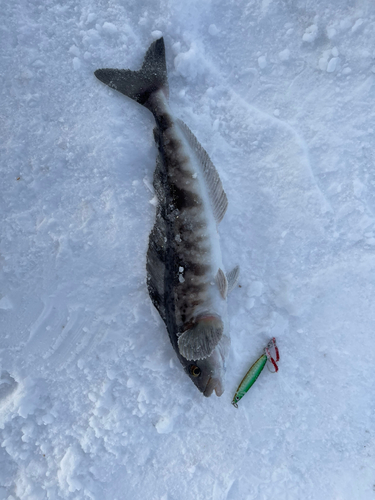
point(93, 403)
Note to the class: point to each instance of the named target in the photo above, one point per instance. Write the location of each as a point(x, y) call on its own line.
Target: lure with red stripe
point(256, 369)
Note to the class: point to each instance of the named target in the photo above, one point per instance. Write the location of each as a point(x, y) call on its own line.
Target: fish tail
point(140, 85)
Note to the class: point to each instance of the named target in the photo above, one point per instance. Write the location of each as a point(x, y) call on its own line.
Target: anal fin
point(232, 278)
point(222, 283)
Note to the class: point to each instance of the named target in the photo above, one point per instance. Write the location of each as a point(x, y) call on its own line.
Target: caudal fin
point(139, 85)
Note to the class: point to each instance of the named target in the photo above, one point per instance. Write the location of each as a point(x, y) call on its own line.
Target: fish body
point(185, 276)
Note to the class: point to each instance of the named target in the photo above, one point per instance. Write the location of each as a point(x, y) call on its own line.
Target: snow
point(332, 64)
point(310, 34)
point(284, 55)
point(262, 62)
point(93, 401)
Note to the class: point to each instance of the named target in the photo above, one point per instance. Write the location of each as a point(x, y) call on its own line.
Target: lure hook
point(255, 370)
point(272, 344)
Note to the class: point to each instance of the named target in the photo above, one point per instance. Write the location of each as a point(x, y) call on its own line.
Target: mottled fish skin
point(193, 248)
point(191, 245)
point(184, 267)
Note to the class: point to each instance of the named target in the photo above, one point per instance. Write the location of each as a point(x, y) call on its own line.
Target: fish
point(185, 274)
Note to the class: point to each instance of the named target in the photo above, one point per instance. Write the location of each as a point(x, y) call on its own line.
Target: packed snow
point(93, 401)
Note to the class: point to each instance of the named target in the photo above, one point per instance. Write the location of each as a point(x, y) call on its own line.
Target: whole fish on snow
point(185, 276)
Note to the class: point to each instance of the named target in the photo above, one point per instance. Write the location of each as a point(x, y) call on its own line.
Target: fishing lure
point(256, 369)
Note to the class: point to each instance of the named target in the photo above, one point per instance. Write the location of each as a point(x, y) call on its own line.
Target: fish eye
point(195, 371)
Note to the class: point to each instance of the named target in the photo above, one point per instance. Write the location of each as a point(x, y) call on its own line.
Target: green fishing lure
point(255, 370)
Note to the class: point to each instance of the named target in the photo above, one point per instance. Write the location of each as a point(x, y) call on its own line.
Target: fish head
point(208, 374)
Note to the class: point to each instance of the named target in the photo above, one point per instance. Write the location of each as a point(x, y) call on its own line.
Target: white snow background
point(94, 403)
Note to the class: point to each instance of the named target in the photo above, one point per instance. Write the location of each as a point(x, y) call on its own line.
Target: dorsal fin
point(215, 189)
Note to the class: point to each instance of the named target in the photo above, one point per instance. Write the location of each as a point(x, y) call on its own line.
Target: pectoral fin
point(199, 341)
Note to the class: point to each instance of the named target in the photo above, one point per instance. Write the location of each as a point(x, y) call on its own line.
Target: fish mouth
point(213, 384)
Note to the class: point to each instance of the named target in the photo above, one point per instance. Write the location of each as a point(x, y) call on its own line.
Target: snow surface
point(94, 403)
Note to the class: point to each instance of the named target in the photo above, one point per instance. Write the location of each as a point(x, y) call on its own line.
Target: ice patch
point(48, 418)
point(76, 63)
point(69, 469)
point(156, 34)
point(190, 64)
point(109, 28)
point(262, 62)
point(310, 34)
point(5, 303)
point(74, 50)
point(345, 24)
point(164, 425)
point(331, 33)
point(322, 63)
point(212, 29)
point(7, 386)
point(154, 201)
point(91, 18)
point(284, 55)
point(29, 398)
point(357, 25)
point(332, 65)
